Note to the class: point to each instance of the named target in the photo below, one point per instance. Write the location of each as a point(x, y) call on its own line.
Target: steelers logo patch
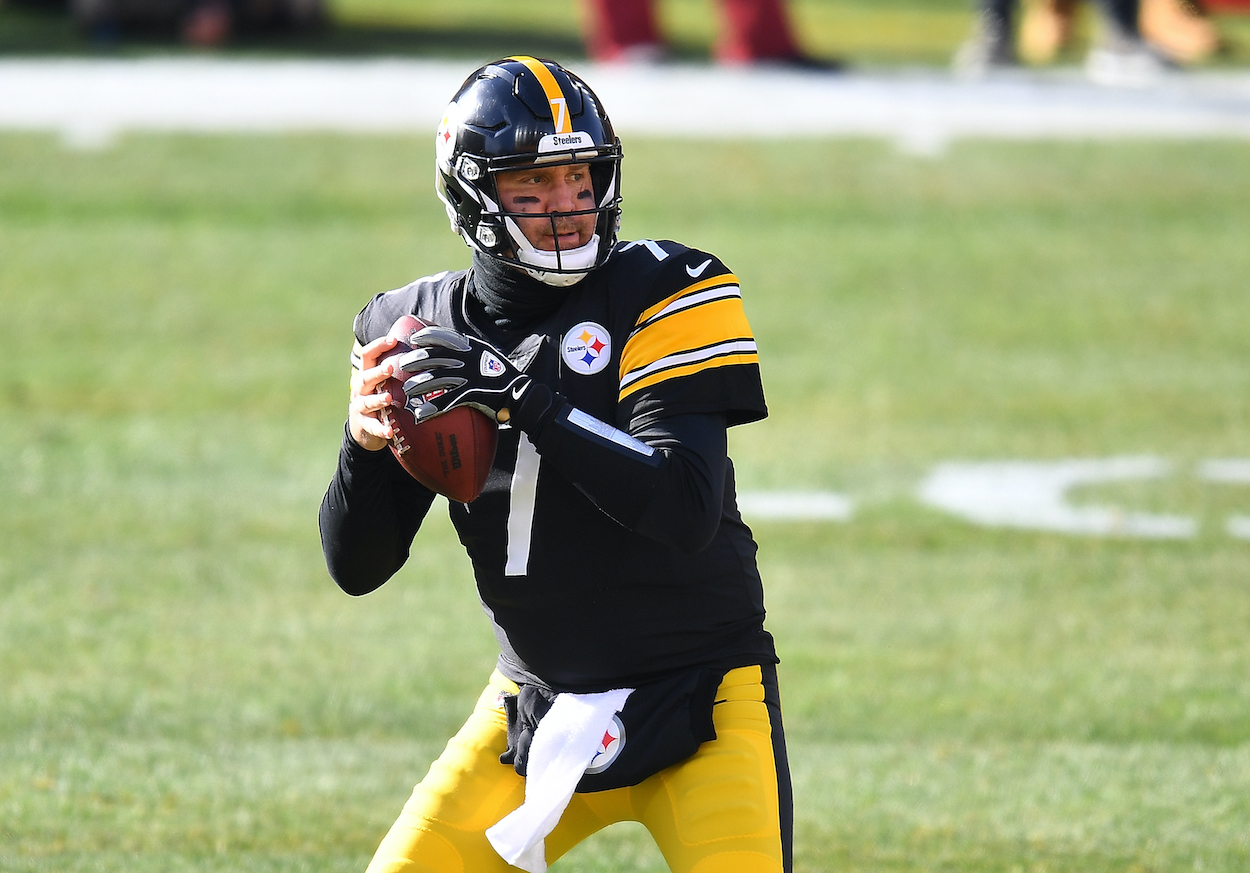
point(445, 139)
point(609, 747)
point(587, 348)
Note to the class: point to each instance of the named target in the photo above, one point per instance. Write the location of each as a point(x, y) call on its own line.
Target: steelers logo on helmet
point(610, 747)
point(444, 140)
point(516, 113)
point(586, 348)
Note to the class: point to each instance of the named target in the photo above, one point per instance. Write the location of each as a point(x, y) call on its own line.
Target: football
point(450, 453)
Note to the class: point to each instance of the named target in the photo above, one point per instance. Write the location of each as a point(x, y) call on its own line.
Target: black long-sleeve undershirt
point(372, 509)
point(369, 516)
point(673, 495)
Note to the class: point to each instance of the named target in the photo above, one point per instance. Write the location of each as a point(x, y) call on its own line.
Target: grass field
point(183, 688)
point(862, 32)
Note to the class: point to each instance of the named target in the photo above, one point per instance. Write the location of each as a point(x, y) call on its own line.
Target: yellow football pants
point(716, 812)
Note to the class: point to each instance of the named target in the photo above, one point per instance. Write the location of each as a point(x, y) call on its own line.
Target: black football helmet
point(521, 112)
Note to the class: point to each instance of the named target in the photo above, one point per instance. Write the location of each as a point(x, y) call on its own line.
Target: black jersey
point(578, 601)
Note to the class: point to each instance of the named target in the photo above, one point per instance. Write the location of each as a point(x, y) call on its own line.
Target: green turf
point(184, 689)
point(864, 33)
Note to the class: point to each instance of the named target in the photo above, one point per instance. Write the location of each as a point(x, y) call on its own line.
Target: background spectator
point(751, 31)
point(197, 22)
point(1137, 37)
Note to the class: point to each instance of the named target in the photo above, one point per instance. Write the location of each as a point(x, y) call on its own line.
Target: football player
point(635, 679)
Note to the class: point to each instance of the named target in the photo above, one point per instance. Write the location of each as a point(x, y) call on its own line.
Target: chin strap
point(557, 268)
point(555, 280)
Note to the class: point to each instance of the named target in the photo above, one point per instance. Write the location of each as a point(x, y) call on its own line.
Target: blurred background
point(995, 257)
point(860, 32)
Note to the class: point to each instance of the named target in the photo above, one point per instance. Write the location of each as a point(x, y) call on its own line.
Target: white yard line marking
point(1033, 495)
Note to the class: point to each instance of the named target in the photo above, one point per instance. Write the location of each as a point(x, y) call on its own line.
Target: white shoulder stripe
point(721, 292)
point(731, 347)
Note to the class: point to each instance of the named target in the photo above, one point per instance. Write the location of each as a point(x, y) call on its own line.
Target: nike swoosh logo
point(519, 390)
point(696, 272)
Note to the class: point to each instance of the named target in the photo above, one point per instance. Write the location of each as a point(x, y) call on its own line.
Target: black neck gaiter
point(512, 302)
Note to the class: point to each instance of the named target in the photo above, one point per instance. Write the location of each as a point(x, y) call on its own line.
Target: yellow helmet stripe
point(559, 103)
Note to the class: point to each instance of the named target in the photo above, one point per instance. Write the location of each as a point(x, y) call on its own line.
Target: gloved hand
point(450, 369)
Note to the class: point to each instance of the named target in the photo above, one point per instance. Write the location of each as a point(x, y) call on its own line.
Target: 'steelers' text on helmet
point(522, 112)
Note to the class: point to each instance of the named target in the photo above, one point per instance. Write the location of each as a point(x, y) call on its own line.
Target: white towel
point(564, 744)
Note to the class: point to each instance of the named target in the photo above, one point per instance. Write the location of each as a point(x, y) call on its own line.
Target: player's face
point(550, 189)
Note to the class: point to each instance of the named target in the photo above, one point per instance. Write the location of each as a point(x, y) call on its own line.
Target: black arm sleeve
point(665, 481)
point(368, 517)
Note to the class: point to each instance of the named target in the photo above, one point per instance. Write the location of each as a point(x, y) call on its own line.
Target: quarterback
point(635, 680)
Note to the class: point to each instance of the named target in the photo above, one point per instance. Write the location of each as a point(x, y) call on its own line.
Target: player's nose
point(564, 196)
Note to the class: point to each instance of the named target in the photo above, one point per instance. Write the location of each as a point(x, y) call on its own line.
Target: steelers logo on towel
point(609, 747)
point(587, 348)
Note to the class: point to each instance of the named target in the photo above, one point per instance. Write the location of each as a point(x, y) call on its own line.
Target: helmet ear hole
point(487, 235)
point(470, 170)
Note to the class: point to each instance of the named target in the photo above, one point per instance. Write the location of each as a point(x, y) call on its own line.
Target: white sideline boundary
point(90, 101)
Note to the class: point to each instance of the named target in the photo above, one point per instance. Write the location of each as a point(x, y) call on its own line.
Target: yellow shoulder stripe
point(694, 328)
point(729, 357)
point(715, 281)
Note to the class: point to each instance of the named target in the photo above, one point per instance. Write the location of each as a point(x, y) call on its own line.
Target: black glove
point(452, 370)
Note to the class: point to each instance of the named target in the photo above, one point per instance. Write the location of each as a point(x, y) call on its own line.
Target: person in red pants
point(752, 31)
